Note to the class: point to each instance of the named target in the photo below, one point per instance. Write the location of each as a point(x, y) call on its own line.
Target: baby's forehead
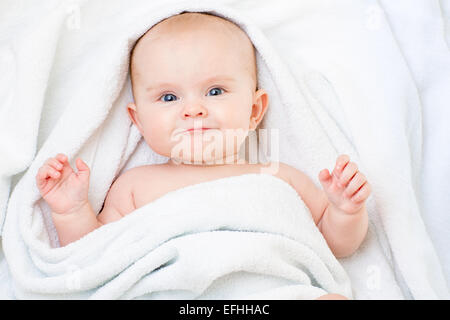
point(193, 21)
point(191, 25)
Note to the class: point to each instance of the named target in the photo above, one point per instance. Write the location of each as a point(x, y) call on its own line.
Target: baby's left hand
point(347, 188)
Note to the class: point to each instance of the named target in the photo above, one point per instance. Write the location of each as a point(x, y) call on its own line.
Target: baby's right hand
point(63, 189)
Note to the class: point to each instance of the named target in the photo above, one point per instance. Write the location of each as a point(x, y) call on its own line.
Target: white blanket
point(242, 237)
point(80, 84)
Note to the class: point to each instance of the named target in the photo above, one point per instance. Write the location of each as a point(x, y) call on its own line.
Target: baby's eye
point(216, 91)
point(168, 97)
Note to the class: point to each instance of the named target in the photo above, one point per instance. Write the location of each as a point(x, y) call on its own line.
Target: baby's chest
point(149, 189)
point(151, 186)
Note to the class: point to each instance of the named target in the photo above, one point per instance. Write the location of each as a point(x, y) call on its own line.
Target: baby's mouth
point(193, 130)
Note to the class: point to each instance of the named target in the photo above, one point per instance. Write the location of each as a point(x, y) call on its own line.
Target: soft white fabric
point(81, 88)
point(420, 33)
point(241, 237)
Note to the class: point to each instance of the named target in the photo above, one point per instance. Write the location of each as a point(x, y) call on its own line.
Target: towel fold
point(232, 238)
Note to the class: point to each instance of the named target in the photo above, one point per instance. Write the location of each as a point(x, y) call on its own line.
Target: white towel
point(86, 74)
point(420, 33)
point(232, 238)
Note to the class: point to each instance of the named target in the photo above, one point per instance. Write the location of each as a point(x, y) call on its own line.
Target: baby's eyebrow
point(219, 78)
point(158, 86)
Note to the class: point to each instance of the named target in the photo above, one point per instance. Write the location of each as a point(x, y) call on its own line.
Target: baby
point(192, 75)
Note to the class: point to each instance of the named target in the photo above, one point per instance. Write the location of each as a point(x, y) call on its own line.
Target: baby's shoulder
point(142, 173)
point(274, 168)
point(284, 171)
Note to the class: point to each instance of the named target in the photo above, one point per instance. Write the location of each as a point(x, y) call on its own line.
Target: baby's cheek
point(157, 137)
point(235, 119)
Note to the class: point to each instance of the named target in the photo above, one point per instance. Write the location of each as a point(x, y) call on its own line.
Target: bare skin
point(174, 93)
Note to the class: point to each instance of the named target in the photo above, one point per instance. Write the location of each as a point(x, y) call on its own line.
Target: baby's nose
point(194, 111)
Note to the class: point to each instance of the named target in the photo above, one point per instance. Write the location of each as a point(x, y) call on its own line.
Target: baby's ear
point(259, 108)
point(132, 113)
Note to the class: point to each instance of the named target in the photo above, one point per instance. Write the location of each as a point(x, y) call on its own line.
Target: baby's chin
point(205, 156)
point(210, 152)
point(199, 159)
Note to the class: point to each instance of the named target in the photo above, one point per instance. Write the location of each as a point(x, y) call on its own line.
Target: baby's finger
point(355, 183)
point(45, 172)
point(341, 162)
point(41, 176)
point(325, 178)
point(55, 164)
point(83, 169)
point(52, 173)
point(363, 193)
point(61, 157)
point(350, 170)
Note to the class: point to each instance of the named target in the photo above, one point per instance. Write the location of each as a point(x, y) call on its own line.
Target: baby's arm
point(345, 221)
point(66, 192)
point(338, 210)
point(73, 226)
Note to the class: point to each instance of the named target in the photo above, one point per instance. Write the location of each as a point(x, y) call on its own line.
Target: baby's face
point(194, 78)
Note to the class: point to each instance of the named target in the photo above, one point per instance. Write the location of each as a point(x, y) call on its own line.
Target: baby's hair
point(195, 16)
